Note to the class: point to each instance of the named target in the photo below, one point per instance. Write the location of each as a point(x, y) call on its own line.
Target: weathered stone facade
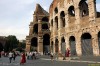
point(39, 34)
point(74, 24)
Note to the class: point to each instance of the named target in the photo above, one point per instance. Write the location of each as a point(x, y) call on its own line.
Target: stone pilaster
point(31, 30)
point(92, 10)
point(95, 45)
point(40, 39)
point(78, 46)
point(28, 45)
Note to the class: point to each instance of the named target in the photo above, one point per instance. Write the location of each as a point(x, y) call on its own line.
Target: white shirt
point(10, 54)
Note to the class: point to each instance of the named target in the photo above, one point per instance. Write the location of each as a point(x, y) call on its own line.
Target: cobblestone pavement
point(46, 61)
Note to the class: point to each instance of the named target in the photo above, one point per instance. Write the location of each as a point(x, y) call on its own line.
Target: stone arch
point(34, 43)
point(83, 6)
point(56, 10)
point(99, 41)
point(56, 45)
point(35, 28)
point(45, 26)
point(71, 10)
point(45, 19)
point(72, 43)
point(52, 22)
point(56, 22)
point(46, 43)
point(63, 45)
point(86, 44)
point(62, 17)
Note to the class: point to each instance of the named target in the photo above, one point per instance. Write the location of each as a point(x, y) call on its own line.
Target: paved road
point(45, 61)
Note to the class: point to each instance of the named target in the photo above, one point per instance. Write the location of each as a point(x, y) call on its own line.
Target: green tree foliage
point(12, 43)
point(21, 46)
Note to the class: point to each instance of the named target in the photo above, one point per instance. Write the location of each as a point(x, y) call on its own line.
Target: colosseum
point(72, 24)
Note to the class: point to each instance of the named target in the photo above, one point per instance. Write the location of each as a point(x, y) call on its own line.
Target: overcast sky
point(16, 15)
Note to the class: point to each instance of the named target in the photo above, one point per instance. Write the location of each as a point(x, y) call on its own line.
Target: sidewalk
point(88, 59)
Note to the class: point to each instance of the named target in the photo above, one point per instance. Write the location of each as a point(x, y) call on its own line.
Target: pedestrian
point(67, 52)
point(23, 58)
point(14, 55)
point(10, 56)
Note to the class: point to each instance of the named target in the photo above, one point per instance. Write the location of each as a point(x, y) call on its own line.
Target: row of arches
point(44, 25)
point(84, 11)
point(86, 45)
point(83, 6)
point(46, 43)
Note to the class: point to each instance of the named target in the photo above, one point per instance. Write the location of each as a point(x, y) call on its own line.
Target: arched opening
point(86, 44)
point(56, 46)
point(1, 47)
point(52, 22)
point(45, 19)
point(56, 22)
point(71, 11)
point(46, 43)
point(62, 17)
point(83, 6)
point(56, 10)
point(99, 41)
point(34, 43)
point(35, 28)
point(72, 46)
point(63, 45)
point(45, 26)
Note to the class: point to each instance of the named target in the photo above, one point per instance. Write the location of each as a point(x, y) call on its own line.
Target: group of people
point(32, 55)
point(12, 55)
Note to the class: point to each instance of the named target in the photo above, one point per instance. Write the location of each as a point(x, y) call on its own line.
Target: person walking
point(23, 58)
point(10, 56)
point(14, 55)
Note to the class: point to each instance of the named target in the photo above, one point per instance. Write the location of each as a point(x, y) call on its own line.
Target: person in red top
point(23, 58)
point(67, 52)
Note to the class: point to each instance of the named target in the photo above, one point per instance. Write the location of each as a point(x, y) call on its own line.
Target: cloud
point(15, 16)
point(98, 7)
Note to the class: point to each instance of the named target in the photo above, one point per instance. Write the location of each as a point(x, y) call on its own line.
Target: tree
point(11, 43)
point(21, 46)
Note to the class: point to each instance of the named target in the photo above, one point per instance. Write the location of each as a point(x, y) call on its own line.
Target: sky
point(16, 15)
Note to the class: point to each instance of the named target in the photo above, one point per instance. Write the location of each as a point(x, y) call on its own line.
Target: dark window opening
point(86, 44)
point(72, 46)
point(83, 6)
point(52, 22)
point(44, 26)
point(56, 46)
point(46, 43)
point(45, 19)
point(71, 11)
point(86, 36)
point(99, 41)
point(56, 10)
point(34, 42)
point(62, 16)
point(56, 22)
point(63, 45)
point(35, 28)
